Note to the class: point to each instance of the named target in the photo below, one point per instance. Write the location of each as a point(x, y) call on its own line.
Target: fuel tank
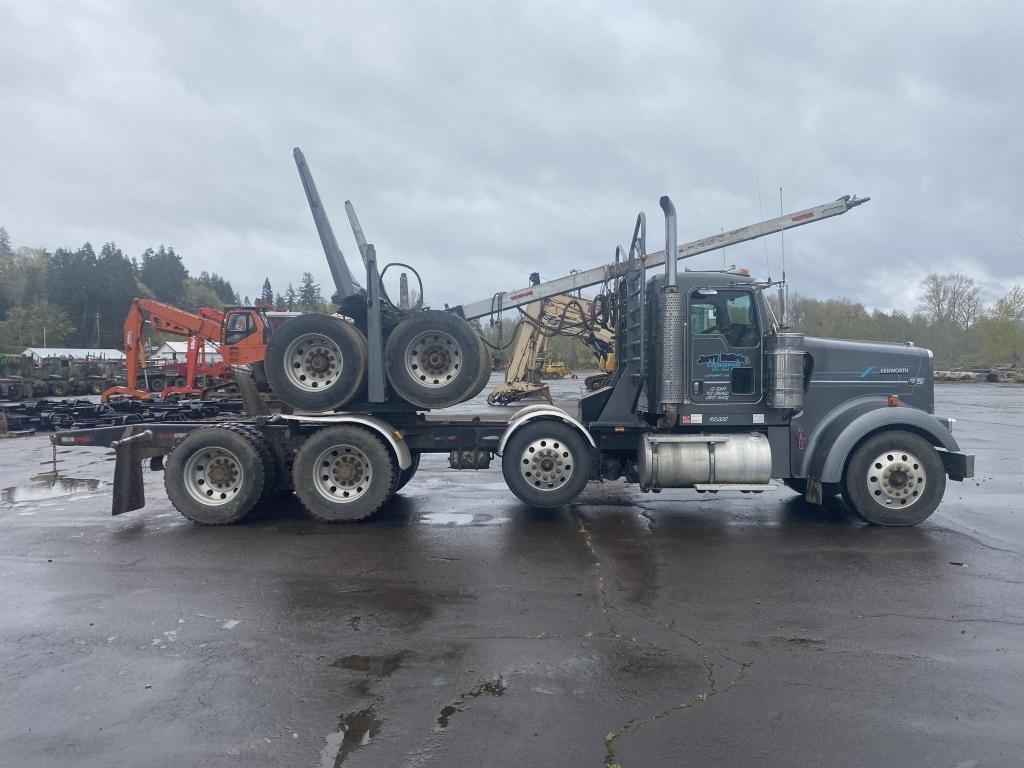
point(680, 461)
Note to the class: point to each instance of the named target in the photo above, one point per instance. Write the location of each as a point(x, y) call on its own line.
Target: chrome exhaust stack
point(671, 312)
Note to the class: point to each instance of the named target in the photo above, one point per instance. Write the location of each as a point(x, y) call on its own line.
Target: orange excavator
point(240, 333)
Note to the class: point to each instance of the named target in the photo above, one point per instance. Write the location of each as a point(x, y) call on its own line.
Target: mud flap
point(252, 402)
point(129, 493)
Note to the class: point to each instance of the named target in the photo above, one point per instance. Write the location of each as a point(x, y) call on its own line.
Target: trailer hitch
point(129, 491)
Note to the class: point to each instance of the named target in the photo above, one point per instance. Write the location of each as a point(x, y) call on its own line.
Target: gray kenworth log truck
point(710, 392)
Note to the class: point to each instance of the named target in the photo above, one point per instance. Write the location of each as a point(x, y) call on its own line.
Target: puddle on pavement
point(354, 731)
point(47, 486)
point(494, 687)
point(375, 666)
point(447, 518)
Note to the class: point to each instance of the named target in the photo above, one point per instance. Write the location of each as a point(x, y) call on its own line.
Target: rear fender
point(390, 435)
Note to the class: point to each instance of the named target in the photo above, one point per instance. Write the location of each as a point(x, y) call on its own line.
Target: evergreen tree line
point(79, 298)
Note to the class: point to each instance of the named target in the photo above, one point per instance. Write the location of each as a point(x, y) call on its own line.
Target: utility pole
point(97, 330)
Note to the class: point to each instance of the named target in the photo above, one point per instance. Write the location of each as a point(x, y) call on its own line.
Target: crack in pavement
point(606, 605)
point(637, 723)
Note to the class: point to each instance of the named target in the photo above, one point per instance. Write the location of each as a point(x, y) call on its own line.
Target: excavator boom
point(588, 277)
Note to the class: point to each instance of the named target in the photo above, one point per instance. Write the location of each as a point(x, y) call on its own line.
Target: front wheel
point(894, 478)
point(546, 463)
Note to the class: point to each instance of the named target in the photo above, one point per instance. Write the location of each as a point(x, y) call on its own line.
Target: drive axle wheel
point(546, 463)
point(894, 478)
point(215, 476)
point(316, 362)
point(433, 359)
point(342, 474)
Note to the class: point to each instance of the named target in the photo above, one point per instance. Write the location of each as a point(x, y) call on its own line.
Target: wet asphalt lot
point(458, 628)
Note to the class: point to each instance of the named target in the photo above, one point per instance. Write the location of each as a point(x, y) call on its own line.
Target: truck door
point(724, 344)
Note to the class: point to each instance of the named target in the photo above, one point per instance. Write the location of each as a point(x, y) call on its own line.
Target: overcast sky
point(482, 141)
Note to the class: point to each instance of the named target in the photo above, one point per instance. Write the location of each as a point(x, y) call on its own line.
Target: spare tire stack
point(432, 359)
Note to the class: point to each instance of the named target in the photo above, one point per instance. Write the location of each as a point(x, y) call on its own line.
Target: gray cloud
point(483, 141)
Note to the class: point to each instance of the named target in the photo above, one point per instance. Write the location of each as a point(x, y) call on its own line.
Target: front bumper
point(959, 465)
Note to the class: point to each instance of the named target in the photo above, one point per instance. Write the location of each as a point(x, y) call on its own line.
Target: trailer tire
point(58, 388)
point(96, 388)
point(157, 385)
point(215, 476)
point(433, 359)
point(316, 362)
point(546, 463)
point(271, 465)
point(343, 474)
point(894, 478)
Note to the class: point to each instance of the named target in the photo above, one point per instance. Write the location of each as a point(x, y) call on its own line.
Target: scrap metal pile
point(80, 414)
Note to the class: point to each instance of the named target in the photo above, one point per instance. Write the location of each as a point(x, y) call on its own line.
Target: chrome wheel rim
point(342, 474)
point(896, 479)
point(313, 362)
point(433, 358)
point(214, 476)
point(547, 464)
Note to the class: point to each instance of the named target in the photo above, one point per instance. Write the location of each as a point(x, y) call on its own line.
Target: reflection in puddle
point(46, 486)
point(375, 666)
point(447, 518)
point(355, 731)
point(494, 687)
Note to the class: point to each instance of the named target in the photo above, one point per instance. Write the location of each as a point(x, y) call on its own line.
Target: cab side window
point(727, 313)
point(239, 325)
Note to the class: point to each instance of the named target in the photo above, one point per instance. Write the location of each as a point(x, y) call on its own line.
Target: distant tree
point(247, 303)
point(290, 298)
point(198, 295)
point(953, 299)
point(310, 299)
point(5, 243)
point(164, 273)
point(24, 326)
point(267, 294)
point(117, 285)
point(278, 300)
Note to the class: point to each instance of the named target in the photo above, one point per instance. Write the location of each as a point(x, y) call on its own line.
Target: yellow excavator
point(570, 316)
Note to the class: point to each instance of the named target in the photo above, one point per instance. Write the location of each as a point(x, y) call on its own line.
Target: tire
point(157, 385)
point(432, 359)
point(530, 463)
point(214, 462)
point(343, 474)
point(96, 388)
point(405, 475)
point(484, 374)
point(271, 465)
point(180, 381)
point(58, 388)
point(894, 478)
point(316, 363)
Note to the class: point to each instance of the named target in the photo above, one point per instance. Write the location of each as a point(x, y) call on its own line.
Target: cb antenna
point(783, 288)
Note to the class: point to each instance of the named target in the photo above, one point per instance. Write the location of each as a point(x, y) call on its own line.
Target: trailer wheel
point(58, 388)
point(156, 384)
point(271, 464)
point(343, 474)
point(215, 476)
point(894, 478)
point(433, 359)
point(546, 463)
point(316, 362)
point(96, 388)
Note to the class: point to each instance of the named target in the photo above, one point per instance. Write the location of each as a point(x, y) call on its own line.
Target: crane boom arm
point(607, 272)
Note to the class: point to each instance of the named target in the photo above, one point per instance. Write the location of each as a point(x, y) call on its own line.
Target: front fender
point(532, 413)
point(832, 443)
